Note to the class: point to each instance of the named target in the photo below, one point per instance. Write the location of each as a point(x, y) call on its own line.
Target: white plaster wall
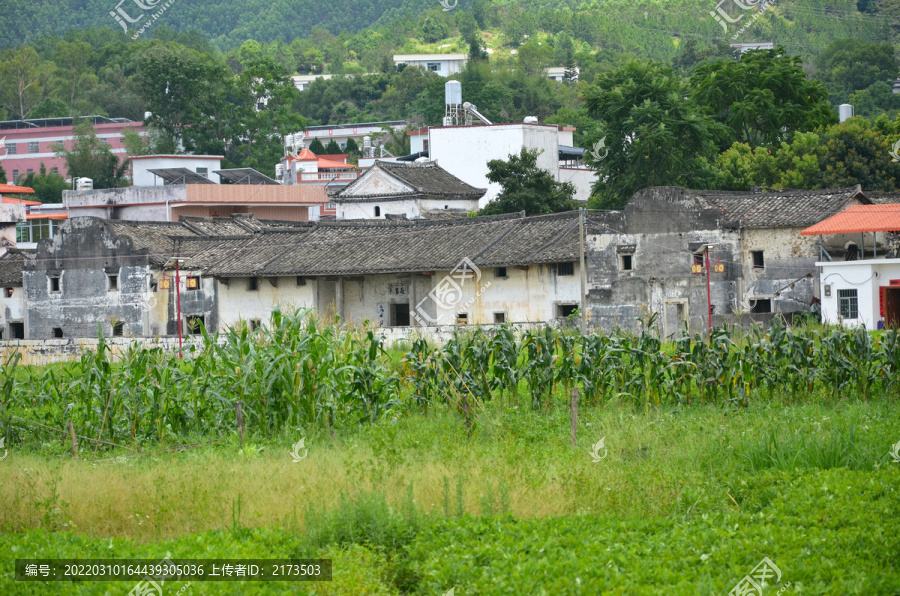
point(142, 177)
point(582, 179)
point(525, 296)
point(412, 208)
point(447, 68)
point(863, 276)
point(11, 309)
point(237, 303)
point(465, 150)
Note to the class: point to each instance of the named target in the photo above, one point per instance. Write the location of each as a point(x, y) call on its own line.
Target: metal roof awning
point(859, 219)
point(180, 176)
point(244, 176)
point(566, 152)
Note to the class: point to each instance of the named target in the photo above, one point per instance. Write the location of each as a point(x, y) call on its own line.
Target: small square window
point(34, 147)
point(193, 283)
point(759, 261)
point(252, 284)
point(57, 332)
point(195, 324)
point(11, 150)
point(848, 306)
point(17, 330)
point(301, 281)
point(699, 258)
point(54, 284)
point(565, 310)
point(112, 283)
point(255, 324)
point(8, 292)
point(500, 272)
point(462, 318)
point(203, 172)
point(499, 318)
point(54, 170)
point(625, 262)
point(761, 305)
point(15, 172)
point(118, 329)
point(565, 269)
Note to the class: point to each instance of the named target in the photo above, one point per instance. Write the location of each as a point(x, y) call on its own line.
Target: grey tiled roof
point(781, 209)
point(884, 198)
point(428, 179)
point(361, 247)
point(11, 266)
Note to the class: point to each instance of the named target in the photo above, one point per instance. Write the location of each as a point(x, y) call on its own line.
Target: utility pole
point(583, 269)
point(708, 291)
point(178, 300)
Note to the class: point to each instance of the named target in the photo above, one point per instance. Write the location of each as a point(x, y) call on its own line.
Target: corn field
point(299, 373)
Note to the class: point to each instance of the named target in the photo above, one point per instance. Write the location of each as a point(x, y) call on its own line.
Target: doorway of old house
point(675, 316)
point(400, 314)
point(891, 305)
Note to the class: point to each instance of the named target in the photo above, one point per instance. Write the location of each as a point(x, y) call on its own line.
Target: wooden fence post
point(74, 442)
point(240, 420)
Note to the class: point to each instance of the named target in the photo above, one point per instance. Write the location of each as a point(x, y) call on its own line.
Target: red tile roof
point(16, 190)
point(859, 218)
point(10, 200)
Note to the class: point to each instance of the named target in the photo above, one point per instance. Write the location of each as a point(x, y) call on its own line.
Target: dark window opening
point(565, 269)
point(17, 330)
point(255, 324)
point(499, 318)
point(848, 306)
point(301, 281)
point(625, 262)
point(192, 283)
point(57, 332)
point(54, 284)
point(118, 329)
point(154, 286)
point(112, 282)
point(195, 323)
point(400, 314)
point(8, 292)
point(566, 310)
point(852, 253)
point(699, 258)
point(759, 262)
point(762, 305)
point(500, 272)
point(377, 211)
point(462, 318)
point(253, 284)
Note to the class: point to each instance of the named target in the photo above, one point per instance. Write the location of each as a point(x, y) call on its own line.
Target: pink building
point(25, 144)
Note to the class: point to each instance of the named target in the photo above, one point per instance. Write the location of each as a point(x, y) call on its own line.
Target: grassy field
point(685, 500)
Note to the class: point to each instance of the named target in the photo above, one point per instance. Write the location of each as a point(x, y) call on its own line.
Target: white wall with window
point(856, 293)
point(29, 233)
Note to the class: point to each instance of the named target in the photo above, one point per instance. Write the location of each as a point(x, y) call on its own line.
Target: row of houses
point(682, 254)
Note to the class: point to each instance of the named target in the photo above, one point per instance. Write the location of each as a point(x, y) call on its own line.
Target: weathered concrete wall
point(83, 256)
point(236, 302)
point(12, 309)
point(788, 257)
point(582, 179)
point(41, 352)
point(130, 203)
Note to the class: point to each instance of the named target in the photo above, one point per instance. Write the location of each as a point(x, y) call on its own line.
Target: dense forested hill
point(648, 28)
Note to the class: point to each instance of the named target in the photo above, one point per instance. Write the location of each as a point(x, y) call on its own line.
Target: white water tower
point(845, 110)
point(83, 184)
point(452, 103)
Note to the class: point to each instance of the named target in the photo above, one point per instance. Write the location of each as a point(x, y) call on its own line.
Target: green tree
point(90, 158)
point(22, 78)
point(3, 179)
point(763, 98)
point(48, 188)
point(317, 147)
point(527, 187)
point(182, 88)
point(850, 65)
point(791, 165)
point(73, 61)
point(648, 134)
point(332, 148)
point(859, 153)
point(434, 30)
